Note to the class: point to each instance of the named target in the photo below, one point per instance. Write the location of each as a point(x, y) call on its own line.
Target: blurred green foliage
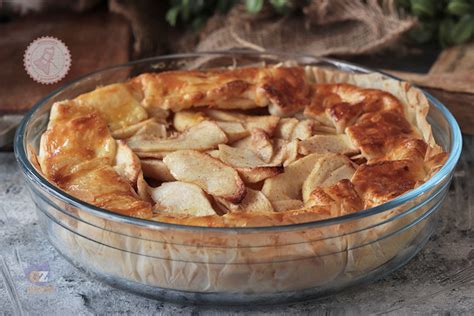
point(196, 12)
point(448, 22)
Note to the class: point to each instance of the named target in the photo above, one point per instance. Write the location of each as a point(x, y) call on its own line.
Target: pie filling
point(241, 147)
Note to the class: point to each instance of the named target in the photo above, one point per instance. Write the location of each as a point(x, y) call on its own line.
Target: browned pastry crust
point(379, 121)
point(77, 153)
point(246, 88)
point(384, 180)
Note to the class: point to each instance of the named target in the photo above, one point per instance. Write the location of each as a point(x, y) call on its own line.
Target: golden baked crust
point(246, 88)
point(77, 153)
point(184, 127)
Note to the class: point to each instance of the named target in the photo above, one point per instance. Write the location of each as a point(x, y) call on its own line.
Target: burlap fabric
point(326, 27)
point(322, 27)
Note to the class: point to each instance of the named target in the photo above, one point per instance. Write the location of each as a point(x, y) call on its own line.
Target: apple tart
point(241, 147)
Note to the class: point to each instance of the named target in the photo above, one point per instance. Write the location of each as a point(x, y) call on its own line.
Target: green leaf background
point(447, 22)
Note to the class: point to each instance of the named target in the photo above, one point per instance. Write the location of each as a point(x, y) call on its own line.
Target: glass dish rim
point(33, 175)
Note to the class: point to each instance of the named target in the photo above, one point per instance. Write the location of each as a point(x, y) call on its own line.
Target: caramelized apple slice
point(328, 170)
point(321, 144)
point(143, 189)
point(129, 131)
point(156, 169)
point(287, 186)
point(153, 129)
point(184, 120)
point(233, 130)
point(181, 198)
point(126, 163)
point(286, 152)
point(206, 135)
point(285, 128)
point(213, 176)
point(254, 201)
point(250, 167)
point(303, 130)
point(267, 123)
point(262, 144)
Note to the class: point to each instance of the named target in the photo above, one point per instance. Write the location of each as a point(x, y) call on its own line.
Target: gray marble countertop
point(439, 279)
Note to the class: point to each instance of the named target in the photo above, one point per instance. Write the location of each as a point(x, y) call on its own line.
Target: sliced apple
point(321, 144)
point(234, 130)
point(303, 130)
point(126, 163)
point(249, 165)
point(245, 143)
point(128, 131)
point(259, 142)
point(152, 155)
point(153, 129)
point(291, 128)
point(287, 186)
point(328, 170)
point(286, 152)
point(324, 130)
point(212, 175)
point(184, 120)
point(143, 189)
point(225, 116)
point(254, 201)
point(268, 123)
point(206, 135)
point(181, 198)
point(214, 153)
point(156, 169)
point(285, 128)
point(240, 157)
point(257, 174)
point(262, 144)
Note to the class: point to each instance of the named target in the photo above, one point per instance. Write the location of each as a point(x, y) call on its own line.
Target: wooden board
point(451, 80)
point(95, 40)
point(461, 105)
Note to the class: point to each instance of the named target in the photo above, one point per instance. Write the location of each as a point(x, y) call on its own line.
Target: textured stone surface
point(439, 279)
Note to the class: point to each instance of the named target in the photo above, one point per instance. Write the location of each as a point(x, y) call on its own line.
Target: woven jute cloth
point(326, 27)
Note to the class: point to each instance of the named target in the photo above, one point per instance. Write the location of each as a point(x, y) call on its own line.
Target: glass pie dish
point(233, 265)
